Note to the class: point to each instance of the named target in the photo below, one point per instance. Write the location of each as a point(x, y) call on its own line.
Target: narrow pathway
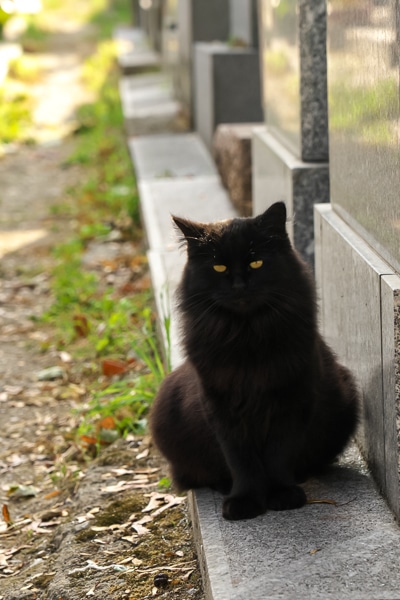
point(74, 531)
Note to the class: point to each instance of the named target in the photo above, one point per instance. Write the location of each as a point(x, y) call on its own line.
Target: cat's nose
point(238, 284)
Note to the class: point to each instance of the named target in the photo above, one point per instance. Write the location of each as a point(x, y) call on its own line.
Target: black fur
point(261, 402)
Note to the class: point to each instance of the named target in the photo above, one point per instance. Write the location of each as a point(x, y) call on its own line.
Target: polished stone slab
point(293, 50)
point(226, 87)
point(364, 114)
point(198, 21)
point(359, 295)
point(279, 175)
point(390, 302)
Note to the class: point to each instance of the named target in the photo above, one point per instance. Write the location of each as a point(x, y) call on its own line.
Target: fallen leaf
point(3, 560)
point(6, 514)
point(65, 356)
point(50, 374)
point(52, 494)
point(106, 423)
point(130, 538)
point(173, 501)
point(140, 530)
point(321, 501)
point(187, 575)
point(111, 367)
point(124, 485)
point(13, 390)
point(143, 454)
point(155, 500)
point(89, 440)
point(22, 491)
point(81, 325)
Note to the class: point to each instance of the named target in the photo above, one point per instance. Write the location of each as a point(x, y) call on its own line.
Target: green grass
point(15, 115)
point(34, 38)
point(88, 317)
point(91, 319)
point(25, 68)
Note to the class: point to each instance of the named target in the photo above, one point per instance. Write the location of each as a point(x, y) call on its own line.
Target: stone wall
point(358, 250)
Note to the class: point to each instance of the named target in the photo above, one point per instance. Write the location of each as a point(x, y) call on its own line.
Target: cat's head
point(237, 264)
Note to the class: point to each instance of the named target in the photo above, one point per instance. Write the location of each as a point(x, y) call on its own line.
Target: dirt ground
point(69, 529)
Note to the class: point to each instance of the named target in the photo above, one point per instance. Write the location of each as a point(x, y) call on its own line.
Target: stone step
point(133, 51)
point(148, 104)
point(346, 544)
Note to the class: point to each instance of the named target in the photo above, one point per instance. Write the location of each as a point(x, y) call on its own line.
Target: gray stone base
point(320, 552)
point(198, 21)
point(279, 175)
point(226, 87)
point(360, 314)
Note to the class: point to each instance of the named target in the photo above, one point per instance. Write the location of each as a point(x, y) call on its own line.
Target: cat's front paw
point(241, 507)
point(287, 498)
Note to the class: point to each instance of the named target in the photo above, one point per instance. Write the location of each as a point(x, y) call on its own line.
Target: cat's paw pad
point(287, 498)
point(241, 507)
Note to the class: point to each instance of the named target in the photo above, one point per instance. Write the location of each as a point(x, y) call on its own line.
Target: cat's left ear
point(274, 217)
point(192, 231)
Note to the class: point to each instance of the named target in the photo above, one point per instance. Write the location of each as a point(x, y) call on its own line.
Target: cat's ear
point(192, 231)
point(274, 217)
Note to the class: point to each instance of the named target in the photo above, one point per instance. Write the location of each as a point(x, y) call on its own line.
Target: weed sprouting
point(94, 320)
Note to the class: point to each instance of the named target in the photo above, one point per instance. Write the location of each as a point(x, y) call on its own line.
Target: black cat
point(261, 402)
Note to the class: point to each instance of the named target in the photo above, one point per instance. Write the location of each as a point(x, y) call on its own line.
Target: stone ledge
point(148, 104)
point(133, 52)
point(175, 175)
point(169, 156)
point(320, 552)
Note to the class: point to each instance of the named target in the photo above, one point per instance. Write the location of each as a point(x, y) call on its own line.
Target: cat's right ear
point(192, 232)
point(274, 217)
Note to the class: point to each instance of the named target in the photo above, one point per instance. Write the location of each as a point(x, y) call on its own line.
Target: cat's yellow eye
point(256, 264)
point(220, 268)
